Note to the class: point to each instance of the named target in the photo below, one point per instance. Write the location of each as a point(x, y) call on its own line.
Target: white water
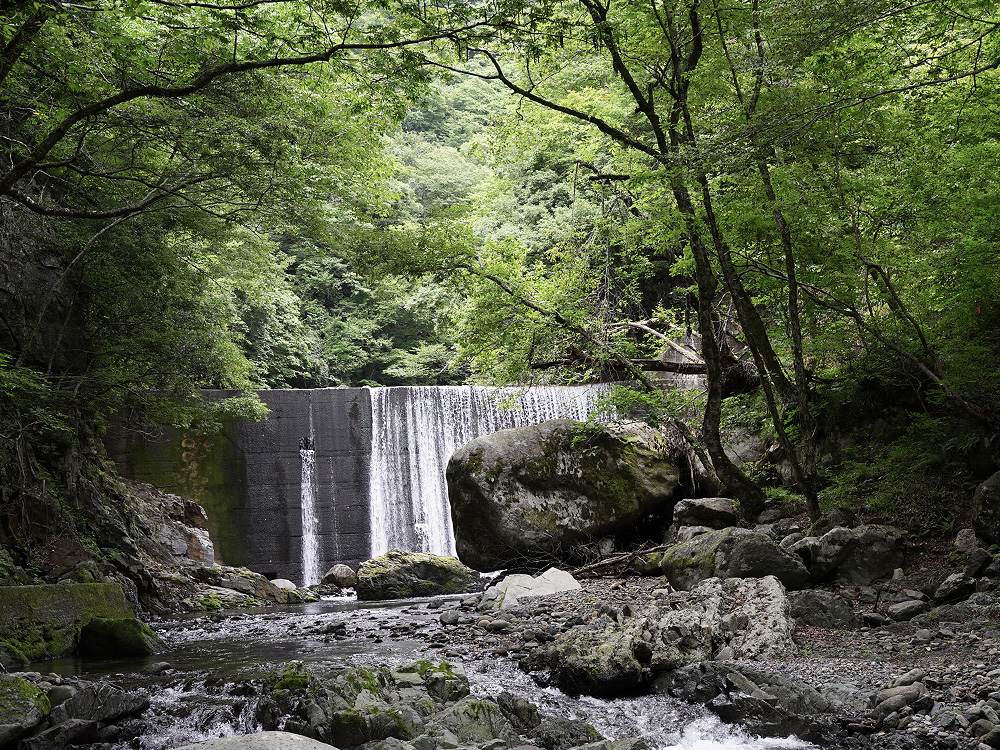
point(311, 572)
point(416, 429)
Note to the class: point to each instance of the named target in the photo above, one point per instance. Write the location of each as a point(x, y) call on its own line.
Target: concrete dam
point(334, 474)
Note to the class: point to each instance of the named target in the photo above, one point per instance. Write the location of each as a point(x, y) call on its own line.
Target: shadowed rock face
point(539, 491)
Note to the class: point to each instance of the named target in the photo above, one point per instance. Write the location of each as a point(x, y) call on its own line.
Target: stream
point(206, 694)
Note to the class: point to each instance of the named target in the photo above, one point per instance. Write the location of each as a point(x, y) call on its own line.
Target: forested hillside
point(290, 194)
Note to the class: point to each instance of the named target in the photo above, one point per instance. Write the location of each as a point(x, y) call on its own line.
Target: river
point(208, 692)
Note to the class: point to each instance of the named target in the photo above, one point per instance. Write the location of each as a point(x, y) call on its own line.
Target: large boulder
point(745, 618)
point(400, 575)
point(986, 510)
point(538, 491)
point(731, 553)
point(856, 556)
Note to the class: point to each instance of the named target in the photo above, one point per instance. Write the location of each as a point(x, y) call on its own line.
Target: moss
point(294, 678)
point(18, 697)
point(121, 636)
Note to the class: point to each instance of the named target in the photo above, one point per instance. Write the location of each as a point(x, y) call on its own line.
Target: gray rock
point(70, 732)
point(342, 576)
point(979, 560)
point(955, 587)
point(858, 556)
point(512, 588)
point(904, 611)
point(400, 575)
point(450, 617)
point(20, 708)
point(822, 609)
point(284, 583)
point(99, 702)
point(767, 703)
point(607, 657)
point(559, 733)
point(731, 553)
point(986, 510)
point(260, 741)
point(474, 720)
point(545, 489)
point(712, 512)
point(914, 675)
point(966, 541)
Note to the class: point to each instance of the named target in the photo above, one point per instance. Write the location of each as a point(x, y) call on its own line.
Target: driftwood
point(616, 564)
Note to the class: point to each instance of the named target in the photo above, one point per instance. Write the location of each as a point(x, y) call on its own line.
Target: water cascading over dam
point(335, 474)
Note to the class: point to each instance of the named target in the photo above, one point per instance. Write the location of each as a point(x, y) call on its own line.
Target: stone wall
point(248, 477)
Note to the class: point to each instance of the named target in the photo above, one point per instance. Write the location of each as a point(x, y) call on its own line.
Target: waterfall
point(311, 572)
point(416, 429)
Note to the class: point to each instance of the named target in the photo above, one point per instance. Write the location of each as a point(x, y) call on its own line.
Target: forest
point(249, 194)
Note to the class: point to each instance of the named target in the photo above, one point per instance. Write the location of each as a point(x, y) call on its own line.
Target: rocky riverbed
point(941, 668)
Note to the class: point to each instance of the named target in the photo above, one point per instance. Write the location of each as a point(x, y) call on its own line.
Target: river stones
point(541, 491)
point(400, 575)
point(731, 553)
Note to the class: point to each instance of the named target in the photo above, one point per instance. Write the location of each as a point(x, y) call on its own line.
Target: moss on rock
point(399, 575)
point(44, 622)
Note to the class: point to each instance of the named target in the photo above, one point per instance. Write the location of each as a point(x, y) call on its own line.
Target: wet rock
point(559, 733)
point(71, 732)
point(822, 609)
point(547, 489)
point(99, 702)
point(450, 617)
point(858, 556)
point(768, 704)
point(731, 553)
point(341, 575)
point(399, 575)
point(522, 714)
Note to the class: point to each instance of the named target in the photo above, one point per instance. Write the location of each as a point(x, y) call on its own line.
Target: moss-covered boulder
point(541, 491)
point(731, 553)
point(23, 706)
point(45, 622)
point(112, 637)
point(400, 575)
